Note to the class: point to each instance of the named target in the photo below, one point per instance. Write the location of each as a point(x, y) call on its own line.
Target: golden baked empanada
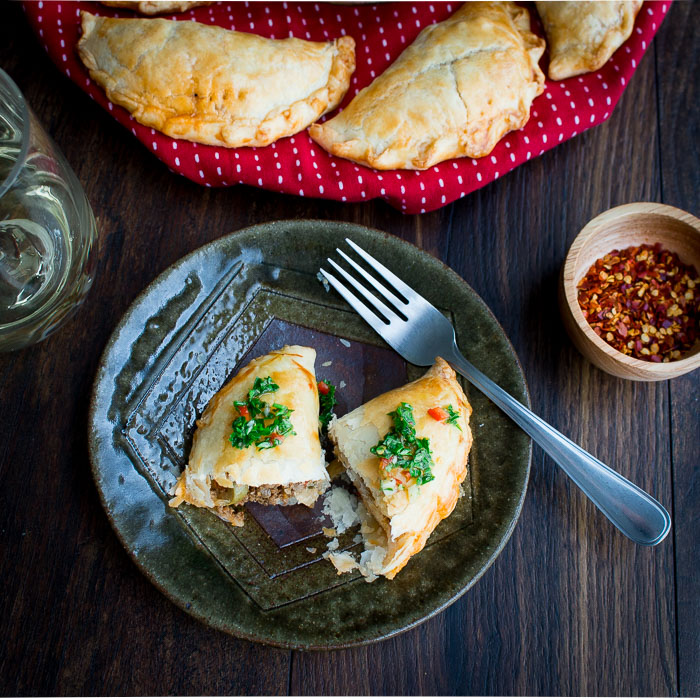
point(406, 509)
point(156, 7)
point(211, 85)
point(455, 91)
point(258, 439)
point(582, 36)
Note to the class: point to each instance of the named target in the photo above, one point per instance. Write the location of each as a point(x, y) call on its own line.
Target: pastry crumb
point(311, 550)
point(346, 343)
point(342, 508)
point(346, 511)
point(342, 561)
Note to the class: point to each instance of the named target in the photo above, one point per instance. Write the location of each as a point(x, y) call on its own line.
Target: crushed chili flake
point(642, 302)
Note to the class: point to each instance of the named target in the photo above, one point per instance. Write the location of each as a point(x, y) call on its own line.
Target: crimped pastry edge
point(295, 118)
point(569, 64)
point(448, 145)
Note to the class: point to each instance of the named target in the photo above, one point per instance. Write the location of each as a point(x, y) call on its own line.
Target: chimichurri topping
point(403, 451)
point(326, 395)
point(260, 423)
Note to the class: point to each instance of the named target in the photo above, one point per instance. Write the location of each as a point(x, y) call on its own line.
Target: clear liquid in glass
point(46, 235)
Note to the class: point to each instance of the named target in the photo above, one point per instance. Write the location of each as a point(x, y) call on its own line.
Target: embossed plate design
point(186, 335)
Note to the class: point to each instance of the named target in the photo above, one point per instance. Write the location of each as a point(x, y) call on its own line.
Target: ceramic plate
point(186, 335)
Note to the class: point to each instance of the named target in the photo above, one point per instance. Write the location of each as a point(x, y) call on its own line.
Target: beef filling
point(277, 494)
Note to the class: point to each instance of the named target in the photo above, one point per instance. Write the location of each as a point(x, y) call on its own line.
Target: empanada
point(269, 453)
point(455, 91)
point(157, 7)
point(582, 36)
point(211, 85)
point(406, 510)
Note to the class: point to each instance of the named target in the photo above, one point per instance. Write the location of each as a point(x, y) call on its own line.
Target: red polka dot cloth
point(297, 165)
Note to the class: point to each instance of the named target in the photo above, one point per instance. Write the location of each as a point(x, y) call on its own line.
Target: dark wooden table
point(571, 607)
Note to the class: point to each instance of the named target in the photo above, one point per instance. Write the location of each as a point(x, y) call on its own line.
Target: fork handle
point(634, 512)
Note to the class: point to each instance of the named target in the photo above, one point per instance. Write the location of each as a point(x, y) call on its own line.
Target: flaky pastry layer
point(211, 85)
point(219, 475)
point(455, 91)
point(582, 36)
point(407, 518)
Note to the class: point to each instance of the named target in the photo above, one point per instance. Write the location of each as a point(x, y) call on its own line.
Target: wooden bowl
point(622, 227)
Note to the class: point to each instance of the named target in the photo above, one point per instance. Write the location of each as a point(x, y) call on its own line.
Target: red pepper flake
point(439, 414)
point(623, 301)
point(385, 463)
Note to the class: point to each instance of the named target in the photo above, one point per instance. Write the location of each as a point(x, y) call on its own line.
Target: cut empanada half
point(455, 91)
point(258, 439)
point(211, 85)
point(582, 36)
point(406, 493)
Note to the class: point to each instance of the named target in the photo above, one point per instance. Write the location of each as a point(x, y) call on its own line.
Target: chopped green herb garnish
point(260, 424)
point(326, 395)
point(454, 416)
point(401, 449)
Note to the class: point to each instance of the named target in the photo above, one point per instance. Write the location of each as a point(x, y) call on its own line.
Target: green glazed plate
point(186, 335)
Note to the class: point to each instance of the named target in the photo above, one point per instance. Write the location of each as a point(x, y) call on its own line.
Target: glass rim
point(9, 180)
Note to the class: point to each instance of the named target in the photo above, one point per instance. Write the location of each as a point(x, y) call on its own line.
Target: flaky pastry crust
point(296, 467)
point(455, 91)
point(211, 85)
point(582, 36)
point(408, 518)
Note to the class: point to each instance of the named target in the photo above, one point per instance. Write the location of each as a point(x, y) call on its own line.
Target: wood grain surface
point(571, 607)
point(678, 65)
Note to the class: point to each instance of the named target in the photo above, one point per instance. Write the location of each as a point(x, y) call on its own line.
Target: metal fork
point(425, 333)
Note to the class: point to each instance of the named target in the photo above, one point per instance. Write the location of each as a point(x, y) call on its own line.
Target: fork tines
point(368, 314)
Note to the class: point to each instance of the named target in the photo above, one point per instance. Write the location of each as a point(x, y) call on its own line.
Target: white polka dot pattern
point(296, 165)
